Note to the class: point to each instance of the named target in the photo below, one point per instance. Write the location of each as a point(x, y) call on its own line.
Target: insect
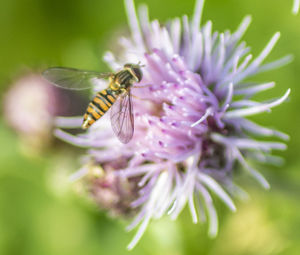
point(116, 96)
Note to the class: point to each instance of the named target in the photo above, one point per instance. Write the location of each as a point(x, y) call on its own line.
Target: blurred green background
point(40, 213)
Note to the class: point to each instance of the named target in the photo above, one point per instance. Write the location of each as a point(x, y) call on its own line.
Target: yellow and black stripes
point(123, 77)
point(98, 107)
point(119, 83)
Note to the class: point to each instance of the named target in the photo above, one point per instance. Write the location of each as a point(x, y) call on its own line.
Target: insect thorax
point(124, 79)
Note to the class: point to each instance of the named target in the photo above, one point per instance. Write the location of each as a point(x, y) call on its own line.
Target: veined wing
point(121, 116)
point(71, 78)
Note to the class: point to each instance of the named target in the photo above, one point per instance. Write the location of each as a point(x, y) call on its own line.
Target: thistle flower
point(191, 126)
point(30, 107)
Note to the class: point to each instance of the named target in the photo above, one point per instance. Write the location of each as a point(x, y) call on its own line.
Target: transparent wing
point(71, 78)
point(121, 116)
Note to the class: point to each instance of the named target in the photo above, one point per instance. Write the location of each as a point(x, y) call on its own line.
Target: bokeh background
point(41, 213)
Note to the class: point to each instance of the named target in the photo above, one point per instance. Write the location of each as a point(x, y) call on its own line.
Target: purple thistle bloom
point(30, 106)
point(191, 125)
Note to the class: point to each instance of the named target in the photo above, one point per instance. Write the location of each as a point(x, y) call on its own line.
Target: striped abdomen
point(98, 107)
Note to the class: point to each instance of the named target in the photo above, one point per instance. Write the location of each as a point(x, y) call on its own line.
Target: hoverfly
point(116, 96)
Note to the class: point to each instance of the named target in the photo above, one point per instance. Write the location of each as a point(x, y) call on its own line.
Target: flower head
point(191, 126)
point(30, 106)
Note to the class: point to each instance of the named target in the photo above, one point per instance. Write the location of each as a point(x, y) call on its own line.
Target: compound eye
point(138, 73)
